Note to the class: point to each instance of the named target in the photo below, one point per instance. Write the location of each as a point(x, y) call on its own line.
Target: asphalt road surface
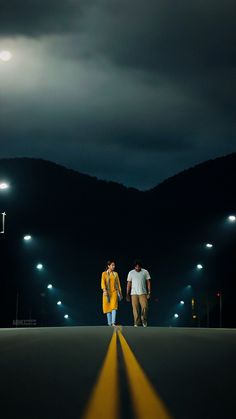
point(98, 372)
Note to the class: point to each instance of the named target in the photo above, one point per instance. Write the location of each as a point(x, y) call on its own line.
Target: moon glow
point(5, 55)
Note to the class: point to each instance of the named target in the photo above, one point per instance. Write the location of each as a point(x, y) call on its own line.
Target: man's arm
point(129, 284)
point(148, 283)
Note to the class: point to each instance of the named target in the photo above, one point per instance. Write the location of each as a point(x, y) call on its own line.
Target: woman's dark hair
point(138, 263)
point(109, 262)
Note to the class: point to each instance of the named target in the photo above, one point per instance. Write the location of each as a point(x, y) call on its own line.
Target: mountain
point(78, 222)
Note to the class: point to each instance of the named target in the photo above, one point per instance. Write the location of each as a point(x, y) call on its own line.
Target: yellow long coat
point(113, 287)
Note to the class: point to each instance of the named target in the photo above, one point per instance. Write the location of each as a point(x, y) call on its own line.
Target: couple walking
point(138, 288)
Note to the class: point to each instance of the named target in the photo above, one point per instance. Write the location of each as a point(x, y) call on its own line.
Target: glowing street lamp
point(176, 316)
point(27, 237)
point(39, 266)
point(49, 286)
point(232, 218)
point(199, 266)
point(4, 185)
point(182, 302)
point(209, 245)
point(59, 303)
point(66, 316)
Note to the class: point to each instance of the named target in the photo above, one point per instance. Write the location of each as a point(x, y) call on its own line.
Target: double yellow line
point(104, 402)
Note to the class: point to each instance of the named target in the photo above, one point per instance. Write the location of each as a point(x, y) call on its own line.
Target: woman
point(112, 292)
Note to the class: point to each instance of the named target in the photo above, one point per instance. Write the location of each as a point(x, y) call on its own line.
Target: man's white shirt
point(138, 280)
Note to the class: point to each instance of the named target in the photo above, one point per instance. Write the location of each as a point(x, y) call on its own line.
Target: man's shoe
point(135, 325)
point(144, 324)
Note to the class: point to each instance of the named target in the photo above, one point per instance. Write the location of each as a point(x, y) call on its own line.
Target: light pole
point(17, 307)
point(3, 187)
point(219, 295)
point(208, 312)
point(3, 222)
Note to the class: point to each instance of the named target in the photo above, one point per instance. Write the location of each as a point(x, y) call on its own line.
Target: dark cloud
point(39, 17)
point(117, 89)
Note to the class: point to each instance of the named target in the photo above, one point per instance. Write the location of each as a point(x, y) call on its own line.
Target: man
point(139, 286)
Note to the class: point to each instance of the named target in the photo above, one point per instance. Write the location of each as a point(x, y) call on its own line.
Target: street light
point(232, 218)
point(66, 316)
point(49, 286)
point(59, 303)
point(199, 266)
point(209, 245)
point(27, 237)
point(182, 302)
point(4, 185)
point(176, 316)
point(39, 266)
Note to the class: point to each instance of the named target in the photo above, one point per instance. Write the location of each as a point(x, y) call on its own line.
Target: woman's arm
point(119, 286)
point(103, 284)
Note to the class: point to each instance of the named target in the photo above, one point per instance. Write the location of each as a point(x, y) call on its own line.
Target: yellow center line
point(146, 402)
point(104, 401)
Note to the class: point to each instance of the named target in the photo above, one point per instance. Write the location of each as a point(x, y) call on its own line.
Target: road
point(96, 372)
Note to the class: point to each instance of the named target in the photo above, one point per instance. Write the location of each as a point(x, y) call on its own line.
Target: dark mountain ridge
point(78, 222)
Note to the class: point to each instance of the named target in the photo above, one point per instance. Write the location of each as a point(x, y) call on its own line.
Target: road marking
point(146, 402)
point(104, 402)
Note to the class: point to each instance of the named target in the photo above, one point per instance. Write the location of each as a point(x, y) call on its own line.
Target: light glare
point(4, 185)
point(5, 55)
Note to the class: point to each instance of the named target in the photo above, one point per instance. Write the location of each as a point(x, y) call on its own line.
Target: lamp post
point(17, 307)
point(3, 187)
point(3, 222)
point(219, 295)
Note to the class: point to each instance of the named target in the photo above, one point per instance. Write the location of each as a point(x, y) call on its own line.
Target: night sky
point(130, 90)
